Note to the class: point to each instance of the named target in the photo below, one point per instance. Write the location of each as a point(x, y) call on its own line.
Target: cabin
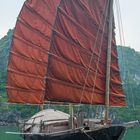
point(47, 121)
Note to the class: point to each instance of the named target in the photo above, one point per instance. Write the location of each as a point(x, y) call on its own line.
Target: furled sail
point(59, 52)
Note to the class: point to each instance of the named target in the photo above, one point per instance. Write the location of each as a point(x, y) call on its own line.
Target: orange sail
point(59, 53)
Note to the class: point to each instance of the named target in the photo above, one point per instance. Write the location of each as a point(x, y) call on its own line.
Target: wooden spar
point(41, 107)
point(71, 116)
point(61, 103)
point(45, 103)
point(108, 62)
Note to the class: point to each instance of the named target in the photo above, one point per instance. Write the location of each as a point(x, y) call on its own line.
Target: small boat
point(64, 51)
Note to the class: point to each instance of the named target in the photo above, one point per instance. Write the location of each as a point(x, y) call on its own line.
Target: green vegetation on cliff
point(4, 53)
point(129, 61)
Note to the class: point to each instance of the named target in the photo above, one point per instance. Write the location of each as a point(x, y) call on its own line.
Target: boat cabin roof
point(48, 115)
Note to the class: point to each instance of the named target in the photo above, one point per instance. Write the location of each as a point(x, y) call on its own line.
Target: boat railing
point(24, 123)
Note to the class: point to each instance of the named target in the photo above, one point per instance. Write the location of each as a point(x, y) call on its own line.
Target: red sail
point(59, 52)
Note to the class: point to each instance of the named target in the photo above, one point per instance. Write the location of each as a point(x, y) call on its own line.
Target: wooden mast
point(41, 107)
point(71, 116)
point(108, 62)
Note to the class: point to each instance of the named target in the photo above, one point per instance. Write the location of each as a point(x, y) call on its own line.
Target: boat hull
point(109, 133)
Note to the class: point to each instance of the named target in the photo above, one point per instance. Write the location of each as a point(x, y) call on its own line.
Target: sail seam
point(33, 30)
point(60, 59)
point(36, 91)
point(82, 49)
point(80, 87)
point(48, 7)
point(70, 61)
point(47, 52)
point(70, 84)
point(31, 44)
point(36, 13)
point(49, 56)
point(50, 77)
point(28, 58)
point(76, 45)
point(73, 85)
point(36, 76)
point(77, 24)
point(90, 17)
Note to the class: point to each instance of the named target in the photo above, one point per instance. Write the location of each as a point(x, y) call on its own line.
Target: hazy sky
point(130, 9)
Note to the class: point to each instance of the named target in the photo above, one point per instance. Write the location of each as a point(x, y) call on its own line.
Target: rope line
point(87, 135)
point(100, 50)
point(94, 46)
point(126, 71)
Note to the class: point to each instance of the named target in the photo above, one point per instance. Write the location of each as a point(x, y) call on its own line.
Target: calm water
point(4, 136)
point(132, 134)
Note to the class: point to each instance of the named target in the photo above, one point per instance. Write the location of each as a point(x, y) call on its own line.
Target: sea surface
point(131, 134)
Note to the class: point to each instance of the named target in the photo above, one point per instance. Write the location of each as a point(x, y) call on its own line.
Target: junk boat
point(65, 51)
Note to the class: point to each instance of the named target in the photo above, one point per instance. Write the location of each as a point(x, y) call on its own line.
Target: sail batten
point(30, 44)
point(55, 44)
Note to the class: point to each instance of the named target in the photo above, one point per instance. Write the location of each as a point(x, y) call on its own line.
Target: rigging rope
point(126, 72)
point(87, 135)
point(100, 50)
point(121, 23)
point(94, 46)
